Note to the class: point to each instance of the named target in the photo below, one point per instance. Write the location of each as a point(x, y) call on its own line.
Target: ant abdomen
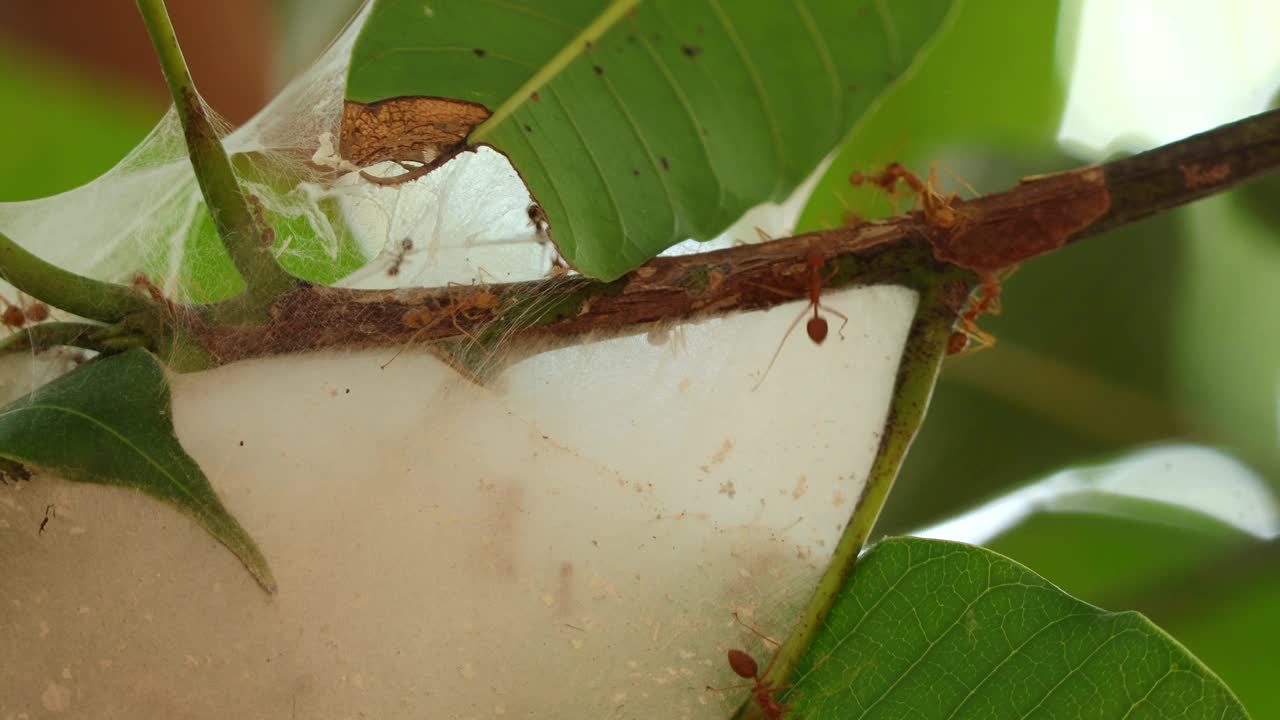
point(817, 329)
point(744, 666)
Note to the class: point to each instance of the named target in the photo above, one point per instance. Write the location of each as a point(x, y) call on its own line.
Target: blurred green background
point(1162, 331)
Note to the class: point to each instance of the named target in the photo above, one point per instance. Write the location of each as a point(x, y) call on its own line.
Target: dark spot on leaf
point(691, 50)
point(534, 96)
point(635, 171)
point(590, 46)
point(631, 38)
point(665, 165)
point(851, 88)
point(599, 70)
point(528, 129)
point(479, 52)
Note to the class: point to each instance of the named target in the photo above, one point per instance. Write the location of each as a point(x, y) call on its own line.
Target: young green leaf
point(109, 423)
point(640, 124)
point(929, 629)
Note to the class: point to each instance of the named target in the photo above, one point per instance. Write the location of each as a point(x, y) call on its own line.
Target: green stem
point(922, 358)
point(263, 277)
point(44, 336)
point(79, 295)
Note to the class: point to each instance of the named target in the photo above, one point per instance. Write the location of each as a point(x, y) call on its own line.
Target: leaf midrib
point(558, 62)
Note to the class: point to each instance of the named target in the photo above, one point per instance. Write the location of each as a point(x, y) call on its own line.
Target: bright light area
point(1192, 478)
point(1148, 72)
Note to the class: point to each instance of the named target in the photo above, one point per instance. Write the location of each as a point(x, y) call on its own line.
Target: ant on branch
point(941, 214)
point(939, 210)
point(745, 667)
point(18, 315)
point(467, 302)
point(817, 327)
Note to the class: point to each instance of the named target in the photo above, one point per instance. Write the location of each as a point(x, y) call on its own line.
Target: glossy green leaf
point(929, 629)
point(640, 124)
point(109, 423)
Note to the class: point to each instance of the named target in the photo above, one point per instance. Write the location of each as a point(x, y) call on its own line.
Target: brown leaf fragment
point(414, 129)
point(1037, 217)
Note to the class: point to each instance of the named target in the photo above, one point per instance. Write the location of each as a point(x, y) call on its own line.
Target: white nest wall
point(569, 541)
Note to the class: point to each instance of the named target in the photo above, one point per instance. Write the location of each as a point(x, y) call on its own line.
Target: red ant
point(17, 315)
point(745, 667)
point(939, 209)
point(940, 213)
point(467, 302)
point(985, 300)
point(817, 327)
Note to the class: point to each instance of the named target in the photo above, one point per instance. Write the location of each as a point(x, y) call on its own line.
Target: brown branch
point(1192, 168)
point(970, 242)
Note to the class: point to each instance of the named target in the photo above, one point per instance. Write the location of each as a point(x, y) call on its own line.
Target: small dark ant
point(268, 237)
point(538, 217)
point(745, 667)
point(406, 245)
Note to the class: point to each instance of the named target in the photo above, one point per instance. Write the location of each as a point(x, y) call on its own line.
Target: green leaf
point(930, 629)
point(109, 423)
point(989, 81)
point(638, 125)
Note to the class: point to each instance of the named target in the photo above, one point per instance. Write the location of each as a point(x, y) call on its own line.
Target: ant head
point(817, 329)
point(743, 664)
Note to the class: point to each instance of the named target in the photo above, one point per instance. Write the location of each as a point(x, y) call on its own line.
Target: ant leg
point(832, 310)
point(981, 338)
point(454, 319)
point(731, 687)
point(404, 347)
point(837, 313)
point(777, 352)
point(777, 291)
point(756, 632)
point(933, 172)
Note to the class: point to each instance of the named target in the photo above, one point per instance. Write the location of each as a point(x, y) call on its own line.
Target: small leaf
point(109, 423)
point(641, 124)
point(930, 629)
